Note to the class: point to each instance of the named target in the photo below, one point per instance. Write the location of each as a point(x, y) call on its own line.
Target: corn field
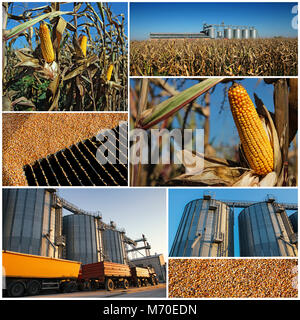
point(65, 57)
point(257, 57)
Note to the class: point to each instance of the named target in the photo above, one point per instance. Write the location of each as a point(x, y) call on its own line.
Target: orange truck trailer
point(29, 274)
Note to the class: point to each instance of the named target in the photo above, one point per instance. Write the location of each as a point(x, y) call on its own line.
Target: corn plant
point(78, 57)
point(220, 57)
point(265, 156)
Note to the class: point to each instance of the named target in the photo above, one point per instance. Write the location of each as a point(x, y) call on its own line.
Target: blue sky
point(178, 198)
point(270, 19)
point(222, 127)
point(18, 8)
point(137, 210)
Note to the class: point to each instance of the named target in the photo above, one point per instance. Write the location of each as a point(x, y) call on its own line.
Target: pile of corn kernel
point(233, 278)
point(29, 137)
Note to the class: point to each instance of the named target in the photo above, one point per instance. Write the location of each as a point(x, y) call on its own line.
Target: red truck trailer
point(104, 274)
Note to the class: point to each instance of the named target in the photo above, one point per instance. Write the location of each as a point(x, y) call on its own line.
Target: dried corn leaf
point(6, 104)
point(81, 68)
point(26, 59)
point(247, 179)
point(8, 34)
point(59, 30)
point(189, 157)
point(212, 176)
point(269, 180)
point(212, 171)
point(113, 84)
point(273, 132)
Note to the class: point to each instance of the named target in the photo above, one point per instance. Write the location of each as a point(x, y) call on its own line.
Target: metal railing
point(244, 204)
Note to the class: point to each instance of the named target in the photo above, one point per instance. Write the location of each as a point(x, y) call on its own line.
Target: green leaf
point(9, 34)
point(100, 7)
point(168, 107)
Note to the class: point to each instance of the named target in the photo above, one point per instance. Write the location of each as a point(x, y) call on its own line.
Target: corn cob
point(83, 43)
point(254, 139)
point(46, 43)
point(109, 72)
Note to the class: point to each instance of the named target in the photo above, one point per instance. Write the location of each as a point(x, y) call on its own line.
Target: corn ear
point(46, 43)
point(109, 72)
point(83, 44)
point(254, 139)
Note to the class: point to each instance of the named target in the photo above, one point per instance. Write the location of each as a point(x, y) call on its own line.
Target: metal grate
point(78, 165)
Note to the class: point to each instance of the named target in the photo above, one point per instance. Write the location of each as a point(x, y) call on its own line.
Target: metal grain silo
point(237, 33)
point(253, 33)
point(228, 33)
point(211, 32)
point(83, 238)
point(32, 222)
point(245, 33)
point(294, 221)
point(220, 34)
point(114, 246)
point(205, 230)
point(265, 230)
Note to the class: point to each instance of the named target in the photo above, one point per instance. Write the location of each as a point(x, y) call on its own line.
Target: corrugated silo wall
point(82, 238)
point(228, 33)
point(113, 246)
point(294, 221)
point(253, 33)
point(205, 230)
point(265, 231)
point(245, 33)
point(29, 218)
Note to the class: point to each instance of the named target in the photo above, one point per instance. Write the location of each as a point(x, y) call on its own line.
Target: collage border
point(166, 189)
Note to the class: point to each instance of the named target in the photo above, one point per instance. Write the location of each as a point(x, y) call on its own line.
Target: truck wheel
point(81, 286)
point(109, 285)
point(138, 283)
point(62, 287)
point(73, 286)
point(87, 285)
point(69, 287)
point(16, 289)
point(94, 285)
point(125, 284)
point(33, 287)
point(152, 281)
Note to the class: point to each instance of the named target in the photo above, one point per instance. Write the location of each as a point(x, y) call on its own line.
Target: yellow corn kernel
point(83, 44)
point(46, 43)
point(254, 139)
point(109, 72)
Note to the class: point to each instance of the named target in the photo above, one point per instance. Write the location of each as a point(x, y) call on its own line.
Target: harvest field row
point(197, 57)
